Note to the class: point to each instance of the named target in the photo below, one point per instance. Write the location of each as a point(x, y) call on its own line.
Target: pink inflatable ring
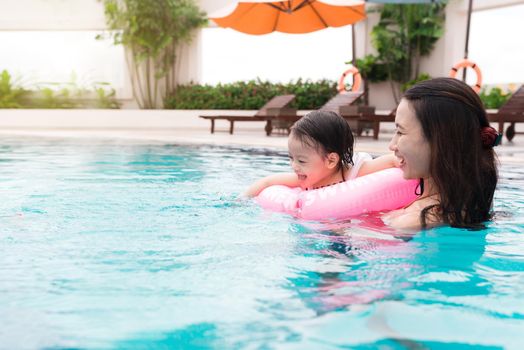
point(381, 191)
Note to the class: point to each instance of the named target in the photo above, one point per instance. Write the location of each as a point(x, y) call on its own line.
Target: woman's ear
point(332, 160)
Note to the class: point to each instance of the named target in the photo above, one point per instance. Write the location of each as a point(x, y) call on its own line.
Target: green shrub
point(106, 98)
point(11, 95)
point(48, 98)
point(69, 95)
point(409, 84)
point(495, 98)
point(252, 94)
point(55, 95)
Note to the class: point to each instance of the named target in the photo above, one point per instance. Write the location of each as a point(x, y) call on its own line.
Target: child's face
point(313, 168)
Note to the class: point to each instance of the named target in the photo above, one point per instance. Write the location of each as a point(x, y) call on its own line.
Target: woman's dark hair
point(463, 170)
point(328, 132)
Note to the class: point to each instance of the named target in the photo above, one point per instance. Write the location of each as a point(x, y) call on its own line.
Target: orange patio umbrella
point(292, 16)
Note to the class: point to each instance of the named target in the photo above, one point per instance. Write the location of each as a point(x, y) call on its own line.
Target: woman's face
point(409, 144)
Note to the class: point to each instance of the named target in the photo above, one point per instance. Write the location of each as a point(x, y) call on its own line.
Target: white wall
point(216, 7)
point(51, 15)
point(67, 17)
point(83, 15)
point(54, 41)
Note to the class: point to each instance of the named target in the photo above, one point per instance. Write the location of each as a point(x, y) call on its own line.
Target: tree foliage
point(371, 71)
point(404, 34)
point(153, 32)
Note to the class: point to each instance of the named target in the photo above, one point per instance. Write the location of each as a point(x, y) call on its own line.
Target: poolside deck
point(181, 127)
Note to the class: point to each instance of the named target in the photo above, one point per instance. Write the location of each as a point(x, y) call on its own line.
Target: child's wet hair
point(328, 132)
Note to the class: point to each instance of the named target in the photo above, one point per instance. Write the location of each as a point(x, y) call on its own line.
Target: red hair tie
point(490, 137)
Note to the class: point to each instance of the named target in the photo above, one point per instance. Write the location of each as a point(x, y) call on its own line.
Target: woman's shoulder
point(402, 219)
point(410, 216)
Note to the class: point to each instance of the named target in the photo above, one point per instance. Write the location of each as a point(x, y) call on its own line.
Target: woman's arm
point(286, 179)
point(377, 164)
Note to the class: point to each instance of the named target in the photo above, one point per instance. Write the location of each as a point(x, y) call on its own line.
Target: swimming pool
point(111, 245)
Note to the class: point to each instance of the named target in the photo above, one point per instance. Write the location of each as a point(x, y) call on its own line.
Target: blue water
point(108, 245)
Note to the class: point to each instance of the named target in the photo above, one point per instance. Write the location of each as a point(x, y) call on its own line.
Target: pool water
point(111, 245)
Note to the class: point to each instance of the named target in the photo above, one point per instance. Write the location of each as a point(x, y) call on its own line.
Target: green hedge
point(495, 98)
point(250, 95)
point(13, 95)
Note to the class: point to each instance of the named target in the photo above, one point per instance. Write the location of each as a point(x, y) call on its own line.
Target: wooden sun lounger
point(375, 119)
point(511, 112)
point(341, 100)
point(357, 115)
point(343, 104)
point(335, 104)
point(273, 107)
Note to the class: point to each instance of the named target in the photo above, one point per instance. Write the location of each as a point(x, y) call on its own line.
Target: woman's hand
point(377, 164)
point(285, 179)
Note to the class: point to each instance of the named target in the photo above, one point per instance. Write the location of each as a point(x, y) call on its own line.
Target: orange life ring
point(465, 63)
point(357, 80)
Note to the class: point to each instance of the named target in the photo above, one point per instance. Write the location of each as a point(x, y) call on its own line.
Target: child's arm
point(377, 164)
point(286, 179)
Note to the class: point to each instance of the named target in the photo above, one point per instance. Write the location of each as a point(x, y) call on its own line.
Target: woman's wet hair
point(462, 168)
point(327, 132)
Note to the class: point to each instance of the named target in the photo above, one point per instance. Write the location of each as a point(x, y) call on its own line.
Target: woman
point(444, 139)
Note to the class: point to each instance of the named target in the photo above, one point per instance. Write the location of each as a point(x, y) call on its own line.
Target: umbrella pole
point(353, 46)
point(467, 38)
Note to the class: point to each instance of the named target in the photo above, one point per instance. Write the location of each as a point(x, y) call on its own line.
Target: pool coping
point(179, 127)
